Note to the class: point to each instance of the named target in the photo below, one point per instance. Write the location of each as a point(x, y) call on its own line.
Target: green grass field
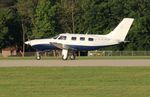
point(75, 82)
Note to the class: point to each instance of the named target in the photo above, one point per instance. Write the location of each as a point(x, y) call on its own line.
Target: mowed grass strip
point(80, 58)
point(75, 82)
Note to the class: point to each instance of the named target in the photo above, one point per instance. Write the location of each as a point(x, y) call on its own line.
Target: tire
point(38, 57)
point(72, 57)
point(64, 58)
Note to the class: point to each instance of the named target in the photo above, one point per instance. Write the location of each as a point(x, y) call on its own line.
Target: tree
point(45, 21)
point(139, 34)
point(26, 11)
point(3, 28)
point(9, 28)
point(30, 19)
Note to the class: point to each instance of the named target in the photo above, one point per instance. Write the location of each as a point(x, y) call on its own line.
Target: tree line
point(22, 20)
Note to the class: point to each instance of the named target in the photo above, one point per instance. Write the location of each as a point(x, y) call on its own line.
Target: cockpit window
point(55, 37)
point(62, 38)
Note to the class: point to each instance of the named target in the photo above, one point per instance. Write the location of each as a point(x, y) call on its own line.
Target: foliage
point(46, 18)
point(9, 28)
point(3, 27)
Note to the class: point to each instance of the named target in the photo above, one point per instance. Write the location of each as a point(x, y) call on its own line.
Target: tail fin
point(120, 32)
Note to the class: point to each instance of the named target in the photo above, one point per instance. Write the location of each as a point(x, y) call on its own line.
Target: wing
point(60, 46)
point(65, 49)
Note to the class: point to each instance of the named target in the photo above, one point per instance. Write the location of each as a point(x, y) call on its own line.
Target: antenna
point(87, 32)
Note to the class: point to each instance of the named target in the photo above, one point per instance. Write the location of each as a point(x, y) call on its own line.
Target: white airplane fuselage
point(83, 42)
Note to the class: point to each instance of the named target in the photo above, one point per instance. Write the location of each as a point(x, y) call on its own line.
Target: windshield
point(55, 37)
point(62, 38)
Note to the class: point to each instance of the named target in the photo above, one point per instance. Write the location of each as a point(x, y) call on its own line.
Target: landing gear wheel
point(38, 57)
point(64, 58)
point(73, 57)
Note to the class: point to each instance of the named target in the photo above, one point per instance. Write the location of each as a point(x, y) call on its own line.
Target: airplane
point(70, 43)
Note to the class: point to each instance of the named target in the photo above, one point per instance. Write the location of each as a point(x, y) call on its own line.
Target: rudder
point(120, 32)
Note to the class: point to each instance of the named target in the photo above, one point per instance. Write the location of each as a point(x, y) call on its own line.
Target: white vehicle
point(81, 42)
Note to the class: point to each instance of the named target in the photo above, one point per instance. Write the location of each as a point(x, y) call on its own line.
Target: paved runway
point(72, 63)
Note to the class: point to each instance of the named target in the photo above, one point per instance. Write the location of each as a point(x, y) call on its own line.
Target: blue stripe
point(44, 47)
point(48, 47)
point(85, 48)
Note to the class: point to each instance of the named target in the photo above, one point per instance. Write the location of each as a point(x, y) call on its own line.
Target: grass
point(78, 58)
point(75, 82)
point(115, 57)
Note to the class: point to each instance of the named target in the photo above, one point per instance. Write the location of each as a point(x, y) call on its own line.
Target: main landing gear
point(38, 57)
point(65, 55)
point(68, 54)
point(73, 56)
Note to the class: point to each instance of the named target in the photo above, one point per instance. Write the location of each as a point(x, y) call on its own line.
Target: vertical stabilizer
point(120, 32)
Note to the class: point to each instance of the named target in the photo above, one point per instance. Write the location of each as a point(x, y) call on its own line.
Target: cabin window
point(91, 39)
point(82, 38)
point(73, 38)
point(62, 38)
